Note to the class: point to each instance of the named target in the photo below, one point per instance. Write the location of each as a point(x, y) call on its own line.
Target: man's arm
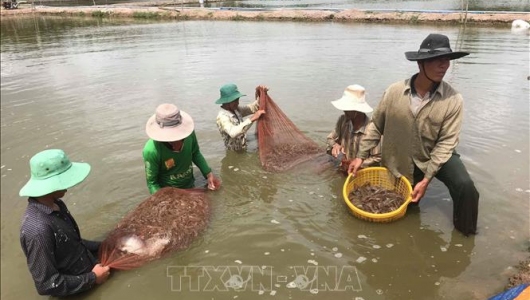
point(375, 129)
point(375, 155)
point(152, 169)
point(246, 110)
point(39, 248)
point(224, 123)
point(198, 158)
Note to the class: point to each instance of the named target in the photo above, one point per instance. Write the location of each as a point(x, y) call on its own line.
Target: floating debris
point(389, 245)
point(230, 167)
point(375, 199)
point(374, 260)
point(267, 253)
point(338, 255)
point(314, 262)
point(273, 292)
point(518, 189)
point(436, 283)
point(335, 249)
point(206, 251)
point(361, 236)
point(443, 249)
point(238, 261)
point(260, 292)
point(517, 150)
point(333, 196)
point(264, 177)
point(376, 247)
point(236, 169)
point(275, 222)
point(361, 259)
point(313, 291)
point(458, 245)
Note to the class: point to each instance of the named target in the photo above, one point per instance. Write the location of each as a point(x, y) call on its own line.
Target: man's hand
point(257, 115)
point(336, 150)
point(213, 182)
point(102, 273)
point(266, 89)
point(419, 190)
point(354, 166)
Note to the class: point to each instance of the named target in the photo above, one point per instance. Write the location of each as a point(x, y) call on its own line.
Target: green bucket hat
point(51, 171)
point(229, 93)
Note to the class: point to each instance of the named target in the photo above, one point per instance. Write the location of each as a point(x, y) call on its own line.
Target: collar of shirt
point(45, 209)
point(362, 128)
point(232, 114)
point(409, 87)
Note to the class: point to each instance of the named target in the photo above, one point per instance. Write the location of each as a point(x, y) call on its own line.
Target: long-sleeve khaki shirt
point(349, 140)
point(233, 128)
point(426, 140)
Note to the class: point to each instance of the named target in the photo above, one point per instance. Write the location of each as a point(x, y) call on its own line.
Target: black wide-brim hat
point(433, 46)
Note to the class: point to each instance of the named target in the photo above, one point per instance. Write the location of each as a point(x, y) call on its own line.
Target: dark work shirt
point(59, 261)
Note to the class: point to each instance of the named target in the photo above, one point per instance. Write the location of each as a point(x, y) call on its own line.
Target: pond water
point(88, 86)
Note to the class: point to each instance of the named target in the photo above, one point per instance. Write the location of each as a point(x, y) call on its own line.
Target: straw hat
point(353, 99)
point(169, 124)
point(434, 45)
point(229, 93)
point(52, 170)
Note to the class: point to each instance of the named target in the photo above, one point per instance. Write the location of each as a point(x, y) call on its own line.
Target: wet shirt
point(233, 128)
point(349, 139)
point(59, 261)
point(165, 167)
point(426, 139)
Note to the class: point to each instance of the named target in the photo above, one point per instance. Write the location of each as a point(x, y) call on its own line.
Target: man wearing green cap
point(230, 121)
point(59, 260)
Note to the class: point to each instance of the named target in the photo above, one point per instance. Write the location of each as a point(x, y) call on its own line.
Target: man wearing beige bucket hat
point(343, 141)
point(59, 260)
point(172, 150)
point(421, 118)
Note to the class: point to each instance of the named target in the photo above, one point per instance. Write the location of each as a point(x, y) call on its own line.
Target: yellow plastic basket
point(378, 176)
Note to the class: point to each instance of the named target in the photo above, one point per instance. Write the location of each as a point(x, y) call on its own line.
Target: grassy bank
point(351, 15)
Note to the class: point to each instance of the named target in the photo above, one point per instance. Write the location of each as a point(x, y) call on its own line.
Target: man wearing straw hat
point(230, 118)
point(59, 260)
point(171, 150)
point(421, 118)
point(343, 141)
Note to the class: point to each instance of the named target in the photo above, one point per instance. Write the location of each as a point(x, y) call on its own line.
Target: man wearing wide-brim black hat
point(421, 118)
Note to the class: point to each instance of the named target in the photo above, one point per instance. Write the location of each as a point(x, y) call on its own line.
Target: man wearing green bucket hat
point(230, 121)
point(59, 260)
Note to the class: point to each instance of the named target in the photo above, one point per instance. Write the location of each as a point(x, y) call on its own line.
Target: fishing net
point(281, 144)
point(167, 221)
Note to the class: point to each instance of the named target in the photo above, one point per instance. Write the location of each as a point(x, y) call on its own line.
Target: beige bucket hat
point(169, 124)
point(353, 99)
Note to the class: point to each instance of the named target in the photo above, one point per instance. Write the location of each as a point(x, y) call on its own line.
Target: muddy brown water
point(88, 86)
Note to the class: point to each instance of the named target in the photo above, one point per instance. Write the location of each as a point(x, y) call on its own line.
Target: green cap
point(229, 93)
point(51, 171)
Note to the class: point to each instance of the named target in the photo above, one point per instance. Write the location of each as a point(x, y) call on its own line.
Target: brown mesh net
point(281, 144)
point(167, 221)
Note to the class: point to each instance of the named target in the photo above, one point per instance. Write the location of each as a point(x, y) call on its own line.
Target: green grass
point(237, 17)
point(100, 14)
point(145, 15)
